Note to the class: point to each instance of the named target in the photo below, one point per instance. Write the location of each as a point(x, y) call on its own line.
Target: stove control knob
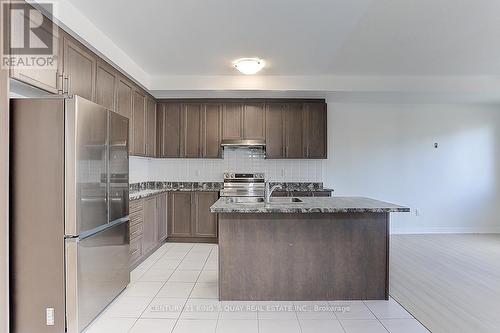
point(232, 176)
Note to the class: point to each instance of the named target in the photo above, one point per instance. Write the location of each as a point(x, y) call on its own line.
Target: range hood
point(238, 143)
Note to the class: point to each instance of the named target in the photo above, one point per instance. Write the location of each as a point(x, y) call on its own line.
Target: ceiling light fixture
point(249, 66)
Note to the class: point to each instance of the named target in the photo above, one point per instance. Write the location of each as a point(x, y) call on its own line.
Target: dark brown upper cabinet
point(47, 79)
point(191, 130)
point(275, 134)
point(211, 130)
point(79, 68)
point(243, 121)
point(254, 121)
point(232, 114)
point(150, 127)
point(316, 130)
point(106, 85)
point(139, 123)
point(169, 129)
point(294, 132)
point(124, 102)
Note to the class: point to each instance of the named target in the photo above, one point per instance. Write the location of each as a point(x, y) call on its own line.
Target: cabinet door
point(280, 194)
point(161, 205)
point(191, 130)
point(46, 79)
point(79, 66)
point(169, 130)
point(211, 133)
point(149, 224)
point(301, 194)
point(232, 115)
point(294, 124)
point(179, 214)
point(205, 222)
point(139, 123)
point(151, 127)
point(322, 194)
point(275, 130)
point(254, 121)
point(105, 85)
point(315, 132)
point(124, 102)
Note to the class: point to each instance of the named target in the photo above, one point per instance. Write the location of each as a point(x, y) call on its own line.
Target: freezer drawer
point(97, 270)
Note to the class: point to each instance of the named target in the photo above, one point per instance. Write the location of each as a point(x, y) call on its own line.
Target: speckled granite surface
point(310, 205)
point(147, 189)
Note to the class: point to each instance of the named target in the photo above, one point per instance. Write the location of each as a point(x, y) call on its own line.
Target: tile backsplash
point(237, 160)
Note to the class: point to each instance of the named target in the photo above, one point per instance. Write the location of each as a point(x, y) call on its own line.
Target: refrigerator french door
point(70, 235)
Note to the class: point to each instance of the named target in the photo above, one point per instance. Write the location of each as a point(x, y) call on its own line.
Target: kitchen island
point(302, 249)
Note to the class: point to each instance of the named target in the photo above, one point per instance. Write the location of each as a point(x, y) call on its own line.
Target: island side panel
point(294, 257)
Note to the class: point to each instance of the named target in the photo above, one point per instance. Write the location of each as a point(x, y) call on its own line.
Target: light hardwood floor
point(450, 283)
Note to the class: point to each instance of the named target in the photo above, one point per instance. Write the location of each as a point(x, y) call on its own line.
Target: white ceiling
point(423, 50)
point(315, 37)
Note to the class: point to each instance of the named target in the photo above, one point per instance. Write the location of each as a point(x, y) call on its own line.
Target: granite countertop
point(310, 205)
point(147, 189)
point(135, 195)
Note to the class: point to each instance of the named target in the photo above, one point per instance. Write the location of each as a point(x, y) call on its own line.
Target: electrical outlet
point(49, 316)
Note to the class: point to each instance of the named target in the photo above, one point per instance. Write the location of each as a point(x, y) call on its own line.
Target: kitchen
point(247, 184)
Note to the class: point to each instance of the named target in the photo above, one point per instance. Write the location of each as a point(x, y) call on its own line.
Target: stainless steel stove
point(243, 185)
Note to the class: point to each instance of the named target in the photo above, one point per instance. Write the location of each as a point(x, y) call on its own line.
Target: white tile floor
point(175, 290)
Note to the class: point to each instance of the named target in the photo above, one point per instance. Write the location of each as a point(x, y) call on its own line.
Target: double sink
point(258, 200)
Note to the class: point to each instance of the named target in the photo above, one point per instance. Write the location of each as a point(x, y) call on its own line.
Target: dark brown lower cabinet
point(189, 217)
point(205, 222)
point(136, 228)
point(150, 224)
point(179, 214)
point(161, 206)
point(302, 194)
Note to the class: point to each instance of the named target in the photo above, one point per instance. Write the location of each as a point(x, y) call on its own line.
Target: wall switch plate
point(49, 316)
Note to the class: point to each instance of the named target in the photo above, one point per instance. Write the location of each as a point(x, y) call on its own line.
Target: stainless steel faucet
point(269, 191)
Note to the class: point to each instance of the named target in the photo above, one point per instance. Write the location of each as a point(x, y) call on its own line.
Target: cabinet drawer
point(135, 206)
point(135, 249)
point(135, 231)
point(136, 218)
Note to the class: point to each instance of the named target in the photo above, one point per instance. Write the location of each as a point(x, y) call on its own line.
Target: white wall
point(241, 160)
point(387, 152)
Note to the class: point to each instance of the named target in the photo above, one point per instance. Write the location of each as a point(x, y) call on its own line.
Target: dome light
point(249, 66)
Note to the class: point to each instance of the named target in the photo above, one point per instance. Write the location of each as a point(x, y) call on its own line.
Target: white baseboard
point(447, 230)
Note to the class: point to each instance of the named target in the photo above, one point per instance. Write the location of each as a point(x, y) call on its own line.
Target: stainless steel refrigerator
point(69, 212)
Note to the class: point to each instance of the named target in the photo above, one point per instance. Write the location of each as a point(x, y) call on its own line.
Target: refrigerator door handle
point(103, 227)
